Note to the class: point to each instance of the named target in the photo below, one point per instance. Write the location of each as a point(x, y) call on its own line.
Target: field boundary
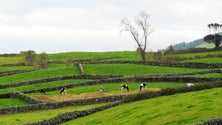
point(12, 72)
point(160, 63)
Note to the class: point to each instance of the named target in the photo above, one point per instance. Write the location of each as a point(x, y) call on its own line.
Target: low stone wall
point(6, 95)
point(21, 96)
point(25, 98)
point(16, 64)
point(175, 79)
point(216, 121)
point(189, 73)
point(156, 63)
point(42, 106)
point(59, 78)
point(12, 72)
point(73, 115)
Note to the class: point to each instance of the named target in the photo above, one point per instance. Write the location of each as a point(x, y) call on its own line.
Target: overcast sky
point(94, 25)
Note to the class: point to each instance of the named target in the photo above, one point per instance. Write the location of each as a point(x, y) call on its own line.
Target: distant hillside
point(198, 43)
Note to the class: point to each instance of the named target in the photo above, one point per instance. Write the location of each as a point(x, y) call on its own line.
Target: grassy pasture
point(10, 102)
point(35, 116)
point(206, 60)
point(186, 108)
point(40, 85)
point(116, 55)
point(8, 68)
point(193, 55)
point(133, 69)
point(11, 60)
point(210, 75)
point(110, 89)
point(39, 74)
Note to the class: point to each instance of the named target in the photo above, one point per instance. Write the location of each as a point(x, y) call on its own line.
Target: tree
point(29, 57)
point(43, 61)
point(139, 32)
point(215, 37)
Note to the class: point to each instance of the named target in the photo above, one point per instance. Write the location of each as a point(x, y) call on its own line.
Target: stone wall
point(16, 64)
point(73, 115)
point(25, 98)
point(12, 72)
point(156, 63)
point(215, 121)
point(41, 106)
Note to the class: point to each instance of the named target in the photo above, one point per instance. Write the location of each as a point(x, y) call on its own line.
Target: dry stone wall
point(216, 121)
point(73, 115)
point(41, 106)
point(12, 72)
point(156, 63)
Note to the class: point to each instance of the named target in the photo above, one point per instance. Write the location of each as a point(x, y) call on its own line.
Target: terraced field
point(162, 102)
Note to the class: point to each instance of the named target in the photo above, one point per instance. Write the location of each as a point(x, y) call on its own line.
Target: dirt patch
point(66, 97)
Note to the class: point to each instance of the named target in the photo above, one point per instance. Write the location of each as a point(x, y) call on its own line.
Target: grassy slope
point(8, 68)
point(210, 75)
point(39, 74)
point(11, 60)
point(133, 69)
point(113, 88)
point(186, 108)
point(10, 102)
point(192, 55)
point(35, 116)
point(40, 85)
point(121, 55)
point(207, 60)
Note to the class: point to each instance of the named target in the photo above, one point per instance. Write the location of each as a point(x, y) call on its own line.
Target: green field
point(11, 60)
point(183, 108)
point(40, 86)
point(187, 108)
point(112, 88)
point(121, 55)
point(34, 116)
point(11, 102)
point(206, 60)
point(39, 74)
point(133, 69)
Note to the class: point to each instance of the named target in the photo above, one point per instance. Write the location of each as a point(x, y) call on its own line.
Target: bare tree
point(139, 32)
